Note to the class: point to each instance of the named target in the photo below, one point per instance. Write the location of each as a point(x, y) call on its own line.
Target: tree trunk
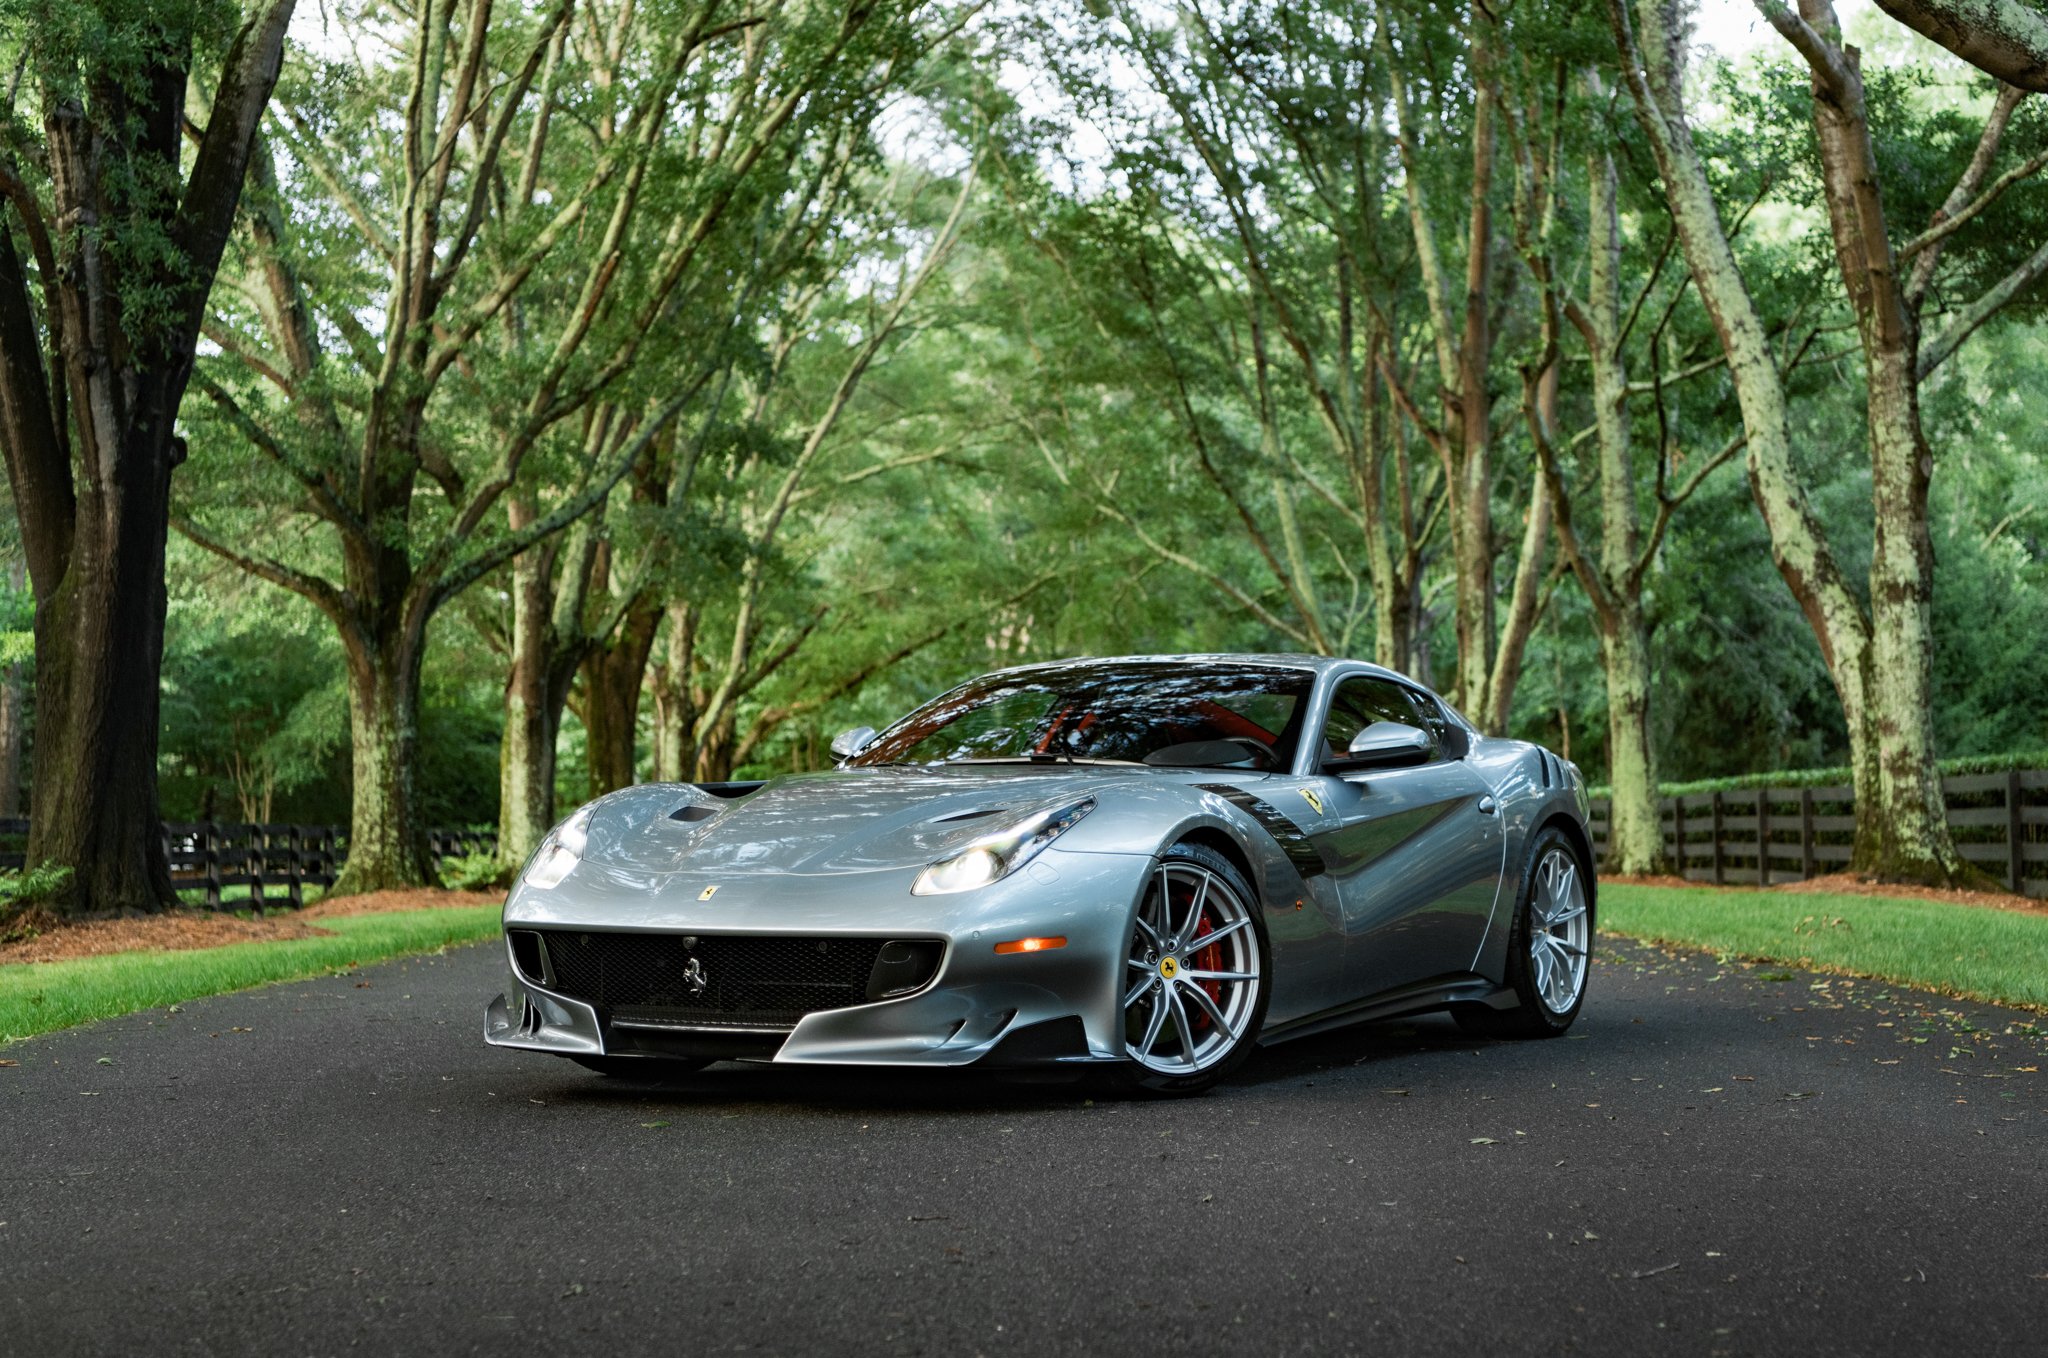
point(1635, 834)
point(1905, 832)
point(1799, 546)
point(387, 845)
point(675, 708)
point(1901, 815)
point(89, 454)
point(550, 584)
point(613, 676)
point(99, 648)
point(526, 755)
point(13, 716)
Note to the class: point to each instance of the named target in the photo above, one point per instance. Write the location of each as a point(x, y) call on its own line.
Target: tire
point(1216, 996)
point(648, 1070)
point(1550, 947)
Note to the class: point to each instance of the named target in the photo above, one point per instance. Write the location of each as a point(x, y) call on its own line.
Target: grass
point(1970, 951)
point(39, 997)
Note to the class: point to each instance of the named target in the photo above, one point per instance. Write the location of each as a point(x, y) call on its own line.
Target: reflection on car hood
point(849, 820)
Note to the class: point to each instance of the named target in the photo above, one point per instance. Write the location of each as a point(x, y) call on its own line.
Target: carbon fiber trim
point(1301, 851)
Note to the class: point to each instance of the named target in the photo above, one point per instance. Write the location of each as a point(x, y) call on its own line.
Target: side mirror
point(1385, 744)
point(847, 744)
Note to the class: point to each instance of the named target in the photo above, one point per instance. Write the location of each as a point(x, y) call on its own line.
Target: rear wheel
point(642, 1069)
point(1548, 949)
point(1194, 982)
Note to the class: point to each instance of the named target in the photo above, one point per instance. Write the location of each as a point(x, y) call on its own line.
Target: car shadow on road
point(881, 1089)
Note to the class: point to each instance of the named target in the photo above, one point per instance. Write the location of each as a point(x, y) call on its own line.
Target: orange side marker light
point(1031, 944)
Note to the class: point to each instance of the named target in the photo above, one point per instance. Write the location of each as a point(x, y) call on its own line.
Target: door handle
point(1487, 805)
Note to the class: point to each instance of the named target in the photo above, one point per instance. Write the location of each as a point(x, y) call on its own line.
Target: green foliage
point(473, 872)
point(20, 889)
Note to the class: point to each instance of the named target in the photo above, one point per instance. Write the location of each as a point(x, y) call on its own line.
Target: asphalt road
point(1719, 1160)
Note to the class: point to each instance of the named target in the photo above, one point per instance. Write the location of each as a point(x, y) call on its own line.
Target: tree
point(554, 183)
point(97, 346)
point(1878, 657)
point(1615, 576)
point(2007, 39)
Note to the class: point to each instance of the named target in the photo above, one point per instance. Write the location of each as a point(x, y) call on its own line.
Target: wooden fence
point(1787, 834)
point(276, 863)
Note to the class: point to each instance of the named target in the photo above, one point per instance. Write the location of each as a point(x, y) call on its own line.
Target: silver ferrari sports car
point(1143, 866)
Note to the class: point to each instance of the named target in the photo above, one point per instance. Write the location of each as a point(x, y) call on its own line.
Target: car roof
point(1316, 664)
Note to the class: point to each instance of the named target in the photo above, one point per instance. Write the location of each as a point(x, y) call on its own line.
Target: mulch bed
point(179, 930)
point(1850, 884)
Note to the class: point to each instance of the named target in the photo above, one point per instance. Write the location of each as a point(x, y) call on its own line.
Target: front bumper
point(1057, 1007)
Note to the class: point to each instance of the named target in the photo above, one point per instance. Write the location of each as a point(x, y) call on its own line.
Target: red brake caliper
point(1208, 959)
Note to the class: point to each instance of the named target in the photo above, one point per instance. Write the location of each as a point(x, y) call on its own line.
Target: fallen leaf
point(9, 1063)
point(1652, 1272)
point(105, 1061)
point(1484, 1141)
point(654, 1124)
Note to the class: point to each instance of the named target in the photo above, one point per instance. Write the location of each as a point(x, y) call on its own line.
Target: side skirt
point(1424, 996)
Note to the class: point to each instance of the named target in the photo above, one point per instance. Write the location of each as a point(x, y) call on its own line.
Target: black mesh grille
point(747, 982)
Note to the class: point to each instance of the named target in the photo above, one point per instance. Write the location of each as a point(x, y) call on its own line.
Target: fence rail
point(1787, 834)
point(276, 863)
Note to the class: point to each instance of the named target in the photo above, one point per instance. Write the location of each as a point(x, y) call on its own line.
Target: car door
point(1414, 852)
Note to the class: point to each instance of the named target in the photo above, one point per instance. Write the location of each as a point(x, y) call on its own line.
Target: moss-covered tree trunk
point(1635, 832)
point(387, 841)
point(1799, 546)
point(1902, 819)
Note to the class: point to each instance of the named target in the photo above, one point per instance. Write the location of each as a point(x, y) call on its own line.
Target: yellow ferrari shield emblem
point(1169, 968)
point(1313, 798)
point(707, 893)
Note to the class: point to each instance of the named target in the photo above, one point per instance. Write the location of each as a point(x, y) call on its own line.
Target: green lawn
point(1997, 955)
point(37, 997)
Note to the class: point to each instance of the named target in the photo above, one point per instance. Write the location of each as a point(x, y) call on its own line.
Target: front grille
point(745, 982)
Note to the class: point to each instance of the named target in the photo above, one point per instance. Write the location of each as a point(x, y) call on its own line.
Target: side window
point(1362, 700)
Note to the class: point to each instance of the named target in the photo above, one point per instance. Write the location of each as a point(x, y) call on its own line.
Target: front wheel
point(1548, 948)
point(1194, 982)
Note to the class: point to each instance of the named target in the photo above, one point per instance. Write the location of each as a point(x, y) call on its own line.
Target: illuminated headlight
point(994, 857)
point(559, 852)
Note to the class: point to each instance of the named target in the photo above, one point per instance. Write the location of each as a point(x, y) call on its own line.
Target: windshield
point(1238, 716)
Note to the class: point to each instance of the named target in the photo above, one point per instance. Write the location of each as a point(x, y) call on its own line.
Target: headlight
point(994, 857)
point(559, 852)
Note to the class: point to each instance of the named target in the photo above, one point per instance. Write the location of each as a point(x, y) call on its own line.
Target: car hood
point(847, 820)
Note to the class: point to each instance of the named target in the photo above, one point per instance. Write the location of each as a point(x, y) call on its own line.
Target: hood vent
point(967, 815)
point(693, 813)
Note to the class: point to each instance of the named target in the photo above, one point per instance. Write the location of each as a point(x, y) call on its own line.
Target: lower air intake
point(717, 981)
